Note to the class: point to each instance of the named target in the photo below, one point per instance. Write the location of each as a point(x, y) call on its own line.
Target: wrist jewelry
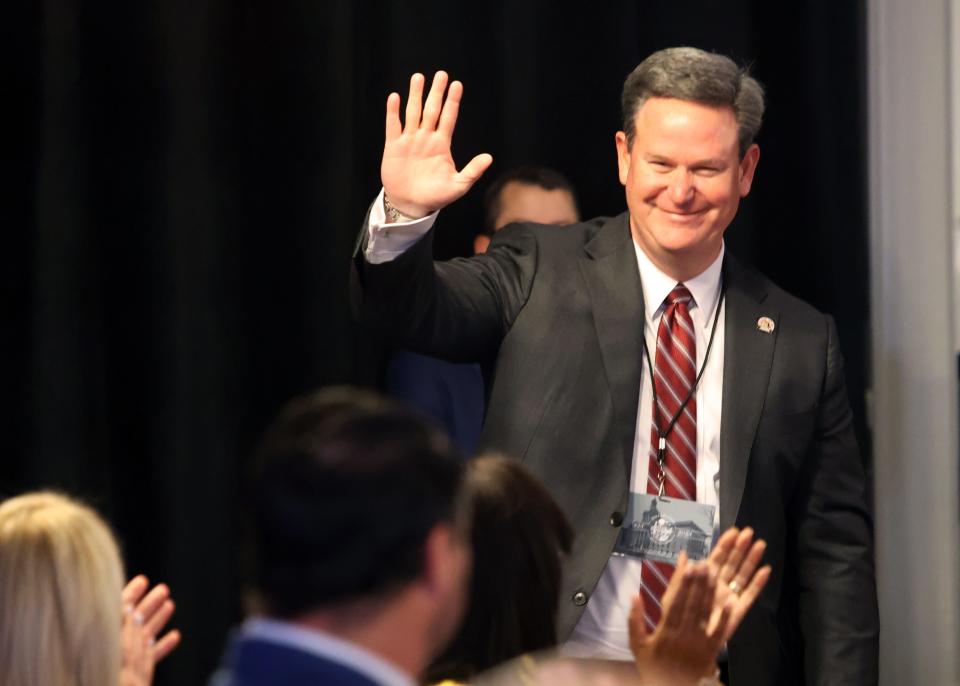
point(393, 213)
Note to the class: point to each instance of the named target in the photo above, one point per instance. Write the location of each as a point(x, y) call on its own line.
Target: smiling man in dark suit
point(632, 357)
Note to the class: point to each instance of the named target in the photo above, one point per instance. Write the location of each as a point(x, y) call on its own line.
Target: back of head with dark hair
point(519, 535)
point(346, 487)
point(532, 175)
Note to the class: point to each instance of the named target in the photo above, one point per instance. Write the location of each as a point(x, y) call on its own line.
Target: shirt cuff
point(386, 242)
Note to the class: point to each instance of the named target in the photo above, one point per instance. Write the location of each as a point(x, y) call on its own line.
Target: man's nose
point(681, 186)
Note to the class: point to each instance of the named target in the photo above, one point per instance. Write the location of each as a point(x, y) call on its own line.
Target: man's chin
point(680, 246)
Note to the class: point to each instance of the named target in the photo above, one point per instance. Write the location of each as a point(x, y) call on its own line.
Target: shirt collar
point(705, 287)
point(326, 646)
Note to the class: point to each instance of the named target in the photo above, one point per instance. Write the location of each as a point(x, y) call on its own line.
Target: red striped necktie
point(675, 373)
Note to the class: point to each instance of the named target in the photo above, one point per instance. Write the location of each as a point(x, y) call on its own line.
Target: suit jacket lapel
point(747, 359)
point(612, 277)
point(610, 272)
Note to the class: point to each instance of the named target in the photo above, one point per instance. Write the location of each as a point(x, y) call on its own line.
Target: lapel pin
point(766, 324)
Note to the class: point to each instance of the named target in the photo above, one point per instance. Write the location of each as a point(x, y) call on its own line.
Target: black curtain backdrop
point(183, 183)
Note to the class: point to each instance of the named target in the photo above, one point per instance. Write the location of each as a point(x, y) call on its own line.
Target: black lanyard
point(663, 433)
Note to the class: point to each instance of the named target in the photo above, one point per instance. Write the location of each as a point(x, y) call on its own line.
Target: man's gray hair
point(697, 76)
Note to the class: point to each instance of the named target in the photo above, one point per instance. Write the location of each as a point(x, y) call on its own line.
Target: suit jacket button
point(580, 598)
point(616, 519)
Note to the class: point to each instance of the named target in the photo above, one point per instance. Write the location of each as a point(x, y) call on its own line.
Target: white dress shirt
point(386, 242)
point(602, 630)
point(328, 647)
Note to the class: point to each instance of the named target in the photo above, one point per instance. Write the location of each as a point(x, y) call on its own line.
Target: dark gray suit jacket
point(557, 317)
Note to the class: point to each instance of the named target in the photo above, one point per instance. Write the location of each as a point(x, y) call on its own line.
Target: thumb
point(475, 168)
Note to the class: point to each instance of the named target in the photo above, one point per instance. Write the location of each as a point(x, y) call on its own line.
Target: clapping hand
point(418, 172)
point(144, 616)
point(734, 560)
point(701, 609)
point(683, 648)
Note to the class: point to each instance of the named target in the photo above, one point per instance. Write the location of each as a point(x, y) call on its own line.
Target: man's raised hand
point(418, 172)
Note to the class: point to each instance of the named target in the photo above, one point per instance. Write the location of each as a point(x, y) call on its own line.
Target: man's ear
point(443, 564)
point(748, 166)
point(623, 156)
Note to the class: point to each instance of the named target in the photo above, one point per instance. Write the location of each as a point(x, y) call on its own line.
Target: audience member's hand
point(683, 648)
point(418, 171)
point(145, 615)
point(734, 561)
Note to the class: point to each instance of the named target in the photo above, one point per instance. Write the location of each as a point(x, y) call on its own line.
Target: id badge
point(659, 529)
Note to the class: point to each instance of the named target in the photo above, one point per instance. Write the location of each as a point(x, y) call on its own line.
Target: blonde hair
point(60, 584)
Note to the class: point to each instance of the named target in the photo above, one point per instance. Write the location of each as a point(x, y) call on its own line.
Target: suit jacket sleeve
point(457, 310)
point(834, 546)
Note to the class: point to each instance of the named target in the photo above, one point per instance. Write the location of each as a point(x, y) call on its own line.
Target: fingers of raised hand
point(152, 614)
point(741, 604)
point(431, 110)
point(717, 630)
point(159, 619)
point(697, 607)
point(135, 643)
point(152, 603)
point(675, 581)
point(475, 168)
point(723, 547)
point(736, 556)
point(706, 598)
point(165, 645)
point(451, 108)
point(748, 565)
point(393, 128)
point(679, 594)
point(130, 634)
point(134, 590)
point(753, 589)
point(414, 102)
point(422, 114)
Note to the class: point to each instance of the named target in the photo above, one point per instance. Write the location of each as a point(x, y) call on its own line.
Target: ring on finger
point(736, 587)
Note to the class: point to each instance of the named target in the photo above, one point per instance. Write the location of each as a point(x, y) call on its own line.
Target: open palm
point(418, 172)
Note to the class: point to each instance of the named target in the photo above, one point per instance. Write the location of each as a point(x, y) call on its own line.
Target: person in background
point(67, 619)
point(528, 193)
point(453, 392)
point(360, 548)
point(519, 535)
